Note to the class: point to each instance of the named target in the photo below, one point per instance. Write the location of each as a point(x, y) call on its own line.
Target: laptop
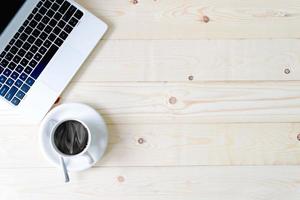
point(42, 45)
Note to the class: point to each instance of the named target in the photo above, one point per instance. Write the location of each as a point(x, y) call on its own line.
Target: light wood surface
point(198, 96)
point(176, 60)
point(162, 183)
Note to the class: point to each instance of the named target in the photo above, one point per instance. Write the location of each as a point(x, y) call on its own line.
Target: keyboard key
point(19, 43)
point(11, 93)
point(64, 7)
point(26, 23)
point(9, 56)
point(30, 17)
point(48, 29)
point(15, 101)
point(43, 63)
point(39, 42)
point(34, 10)
point(25, 88)
point(23, 77)
point(7, 72)
point(43, 10)
point(73, 21)
point(30, 81)
point(28, 30)
point(33, 24)
point(56, 30)
point(33, 63)
point(58, 42)
point(31, 39)
point(60, 1)
point(21, 52)
point(45, 20)
point(36, 33)
point(9, 82)
point(21, 29)
point(28, 70)
point(24, 62)
point(3, 54)
point(19, 69)
point(69, 13)
point(42, 50)
point(37, 17)
point(55, 6)
point(14, 50)
point(53, 22)
point(18, 83)
point(37, 56)
point(33, 49)
point(12, 66)
point(41, 26)
point(47, 43)
point(1, 69)
point(2, 79)
point(47, 4)
point(52, 37)
point(12, 41)
point(23, 36)
point(15, 36)
point(20, 94)
point(63, 35)
point(26, 46)
point(14, 75)
point(78, 14)
point(4, 62)
point(17, 59)
point(39, 4)
point(43, 36)
point(29, 55)
point(7, 48)
point(57, 16)
point(61, 24)
point(50, 13)
point(4, 90)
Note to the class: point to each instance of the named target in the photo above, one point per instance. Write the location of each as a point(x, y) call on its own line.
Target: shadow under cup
point(71, 137)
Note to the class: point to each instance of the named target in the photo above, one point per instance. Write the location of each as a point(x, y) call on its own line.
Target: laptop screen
point(8, 9)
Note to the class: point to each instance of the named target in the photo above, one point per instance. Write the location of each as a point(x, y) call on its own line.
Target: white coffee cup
point(84, 152)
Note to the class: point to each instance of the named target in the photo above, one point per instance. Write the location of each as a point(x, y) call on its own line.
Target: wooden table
point(202, 100)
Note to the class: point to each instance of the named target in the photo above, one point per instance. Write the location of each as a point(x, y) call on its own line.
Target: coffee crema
point(71, 137)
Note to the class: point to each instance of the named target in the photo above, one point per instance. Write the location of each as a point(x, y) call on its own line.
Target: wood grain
point(184, 19)
point(163, 183)
point(171, 145)
point(186, 103)
point(177, 60)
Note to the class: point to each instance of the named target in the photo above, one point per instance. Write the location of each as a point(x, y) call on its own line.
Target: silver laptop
point(42, 45)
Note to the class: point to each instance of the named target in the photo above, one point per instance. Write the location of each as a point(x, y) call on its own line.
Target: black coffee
point(71, 137)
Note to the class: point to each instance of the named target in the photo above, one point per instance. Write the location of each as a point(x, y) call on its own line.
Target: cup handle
point(88, 154)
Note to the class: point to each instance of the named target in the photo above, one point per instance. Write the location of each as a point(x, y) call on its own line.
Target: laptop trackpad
point(62, 68)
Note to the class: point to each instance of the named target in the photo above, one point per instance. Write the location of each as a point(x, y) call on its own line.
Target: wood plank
point(202, 102)
point(184, 19)
point(190, 183)
point(170, 145)
point(169, 60)
point(184, 103)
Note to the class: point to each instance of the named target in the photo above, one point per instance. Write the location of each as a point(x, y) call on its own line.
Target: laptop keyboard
point(33, 46)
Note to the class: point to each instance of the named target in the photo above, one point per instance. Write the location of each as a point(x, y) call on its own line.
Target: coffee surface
point(71, 137)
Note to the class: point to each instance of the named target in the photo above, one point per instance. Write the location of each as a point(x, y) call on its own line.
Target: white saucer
point(97, 128)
